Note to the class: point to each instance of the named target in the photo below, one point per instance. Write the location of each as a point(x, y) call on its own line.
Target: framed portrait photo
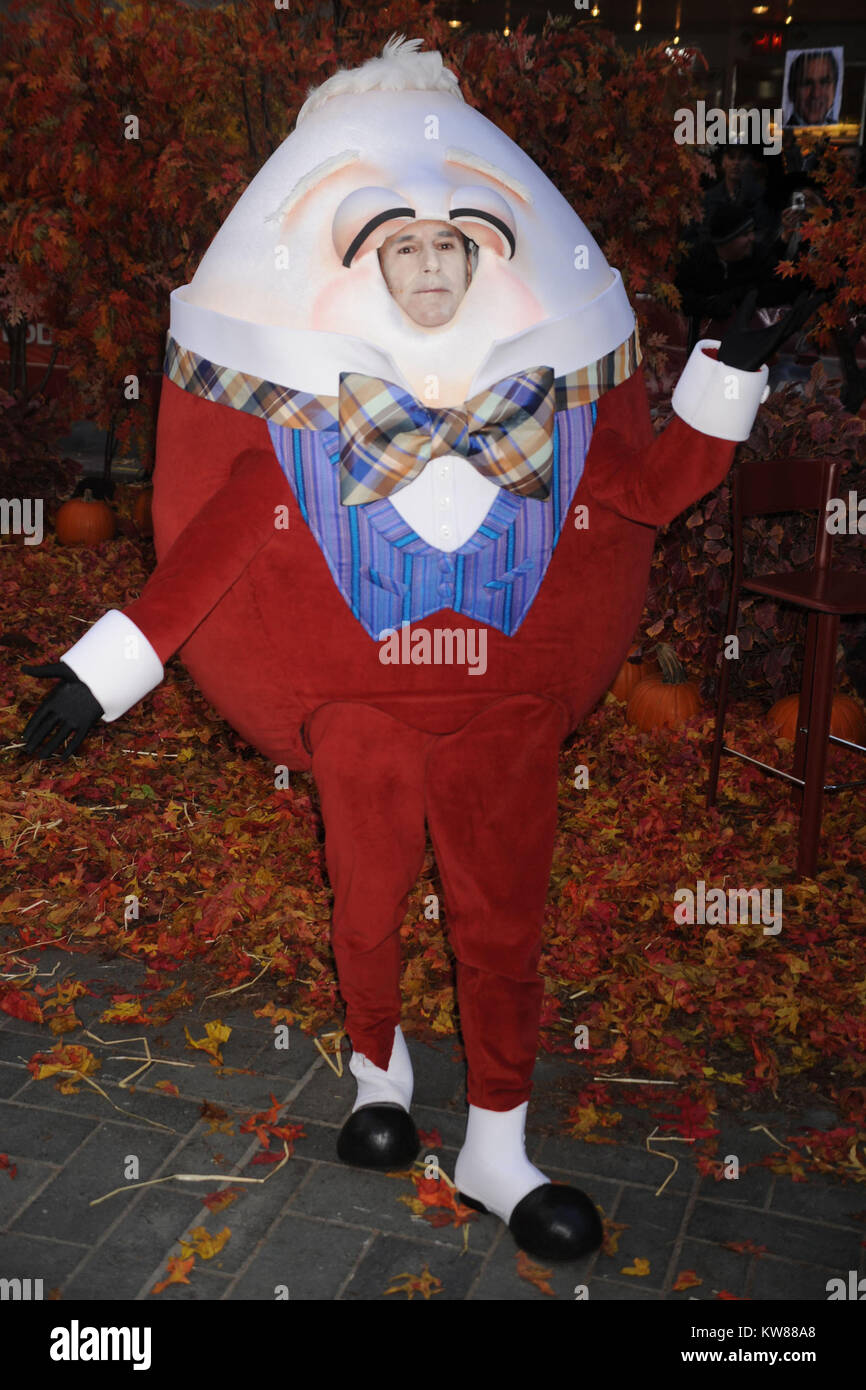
point(812, 86)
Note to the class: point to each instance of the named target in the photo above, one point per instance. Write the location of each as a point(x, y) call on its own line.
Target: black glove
point(748, 348)
point(70, 708)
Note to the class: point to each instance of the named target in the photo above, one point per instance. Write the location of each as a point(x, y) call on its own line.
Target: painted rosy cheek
point(339, 304)
point(511, 300)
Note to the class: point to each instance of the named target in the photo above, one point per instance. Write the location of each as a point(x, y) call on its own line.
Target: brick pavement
point(320, 1230)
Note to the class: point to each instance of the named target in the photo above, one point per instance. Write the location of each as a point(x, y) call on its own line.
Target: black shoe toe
point(379, 1136)
point(556, 1222)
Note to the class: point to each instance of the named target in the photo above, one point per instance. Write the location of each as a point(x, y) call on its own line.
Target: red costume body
point(393, 747)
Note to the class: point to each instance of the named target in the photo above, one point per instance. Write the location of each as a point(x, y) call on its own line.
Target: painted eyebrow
point(467, 160)
point(309, 181)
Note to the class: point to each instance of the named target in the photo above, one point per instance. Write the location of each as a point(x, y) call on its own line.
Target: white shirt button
point(444, 501)
point(445, 531)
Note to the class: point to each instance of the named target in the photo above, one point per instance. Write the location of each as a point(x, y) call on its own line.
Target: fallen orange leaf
point(205, 1243)
point(217, 1034)
point(612, 1232)
point(71, 1057)
point(127, 1011)
point(64, 1022)
point(20, 1005)
point(437, 1202)
point(219, 1120)
point(426, 1284)
point(218, 1201)
point(687, 1279)
point(177, 1271)
point(264, 1124)
point(640, 1268)
point(534, 1274)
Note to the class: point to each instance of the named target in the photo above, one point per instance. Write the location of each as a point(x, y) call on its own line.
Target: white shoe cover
point(492, 1166)
point(378, 1087)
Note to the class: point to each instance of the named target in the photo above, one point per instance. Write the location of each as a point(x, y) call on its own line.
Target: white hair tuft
point(401, 68)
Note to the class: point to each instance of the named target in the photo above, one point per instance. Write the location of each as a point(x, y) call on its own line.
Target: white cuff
point(717, 399)
point(116, 663)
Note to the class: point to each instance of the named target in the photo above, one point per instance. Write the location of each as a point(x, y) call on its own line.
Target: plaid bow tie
point(387, 437)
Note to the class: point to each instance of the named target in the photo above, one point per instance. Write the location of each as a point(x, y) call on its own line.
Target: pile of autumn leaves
point(168, 840)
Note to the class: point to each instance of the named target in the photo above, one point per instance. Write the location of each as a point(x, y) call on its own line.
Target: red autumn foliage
point(100, 225)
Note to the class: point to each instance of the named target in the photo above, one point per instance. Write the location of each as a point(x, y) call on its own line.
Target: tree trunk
point(854, 390)
point(16, 337)
point(110, 445)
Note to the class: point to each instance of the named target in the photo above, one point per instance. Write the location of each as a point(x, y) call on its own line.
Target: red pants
point(488, 793)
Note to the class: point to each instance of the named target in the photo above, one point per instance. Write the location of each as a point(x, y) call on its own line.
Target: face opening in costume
point(427, 267)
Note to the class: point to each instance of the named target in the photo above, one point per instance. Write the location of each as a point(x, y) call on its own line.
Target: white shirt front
point(447, 502)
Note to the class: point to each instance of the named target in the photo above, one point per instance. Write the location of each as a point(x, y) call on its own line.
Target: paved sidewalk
point(320, 1230)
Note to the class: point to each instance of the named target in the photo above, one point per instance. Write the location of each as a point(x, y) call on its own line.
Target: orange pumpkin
point(142, 512)
point(665, 700)
point(847, 719)
point(630, 674)
point(85, 521)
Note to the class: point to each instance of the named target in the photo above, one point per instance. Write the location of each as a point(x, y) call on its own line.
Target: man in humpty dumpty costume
point(405, 419)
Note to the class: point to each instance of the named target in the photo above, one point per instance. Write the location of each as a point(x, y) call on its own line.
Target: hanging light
point(678, 22)
point(594, 11)
point(507, 30)
point(454, 23)
point(789, 17)
point(637, 13)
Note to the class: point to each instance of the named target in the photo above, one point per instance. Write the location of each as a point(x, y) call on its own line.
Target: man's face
point(426, 270)
point(815, 90)
point(735, 162)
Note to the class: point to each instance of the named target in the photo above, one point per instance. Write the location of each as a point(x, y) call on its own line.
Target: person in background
point(719, 271)
point(740, 187)
point(797, 198)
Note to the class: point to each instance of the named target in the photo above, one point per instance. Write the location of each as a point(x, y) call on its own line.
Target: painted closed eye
point(483, 214)
point(365, 219)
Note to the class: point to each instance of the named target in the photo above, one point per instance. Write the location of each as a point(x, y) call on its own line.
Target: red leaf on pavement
point(19, 1005)
point(533, 1273)
point(178, 1269)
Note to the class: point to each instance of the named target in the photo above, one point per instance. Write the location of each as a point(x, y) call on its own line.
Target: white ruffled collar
point(312, 361)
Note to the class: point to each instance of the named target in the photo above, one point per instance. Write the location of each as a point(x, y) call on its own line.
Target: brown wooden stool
point(787, 485)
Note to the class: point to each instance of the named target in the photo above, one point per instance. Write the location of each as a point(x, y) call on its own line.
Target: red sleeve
point(647, 477)
point(211, 552)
